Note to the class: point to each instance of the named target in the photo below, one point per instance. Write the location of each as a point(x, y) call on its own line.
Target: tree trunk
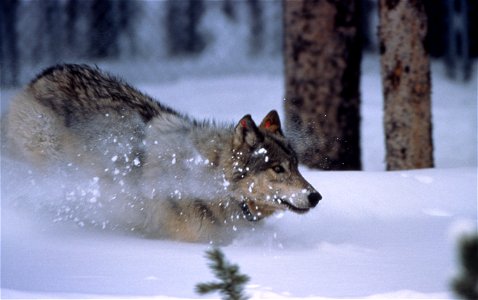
point(256, 10)
point(322, 70)
point(182, 27)
point(103, 30)
point(405, 69)
point(53, 12)
point(9, 62)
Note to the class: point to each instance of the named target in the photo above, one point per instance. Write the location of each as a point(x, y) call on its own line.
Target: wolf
point(195, 181)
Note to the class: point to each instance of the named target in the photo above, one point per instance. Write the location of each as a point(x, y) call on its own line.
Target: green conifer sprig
point(466, 284)
point(231, 284)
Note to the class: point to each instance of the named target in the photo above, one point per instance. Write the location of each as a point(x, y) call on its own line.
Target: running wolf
point(193, 180)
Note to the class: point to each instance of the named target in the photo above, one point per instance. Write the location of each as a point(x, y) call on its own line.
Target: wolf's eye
point(278, 169)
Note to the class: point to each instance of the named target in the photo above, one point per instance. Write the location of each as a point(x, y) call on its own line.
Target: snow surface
point(374, 235)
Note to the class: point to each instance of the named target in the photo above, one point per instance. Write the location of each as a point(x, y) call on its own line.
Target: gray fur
point(197, 181)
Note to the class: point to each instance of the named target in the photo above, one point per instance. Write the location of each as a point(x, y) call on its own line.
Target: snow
point(375, 234)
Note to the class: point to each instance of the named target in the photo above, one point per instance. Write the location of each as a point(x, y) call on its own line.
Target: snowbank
point(376, 234)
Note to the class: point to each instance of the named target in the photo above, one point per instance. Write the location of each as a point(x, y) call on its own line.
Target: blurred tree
point(127, 14)
point(458, 50)
point(229, 9)
point(367, 30)
point(256, 27)
point(405, 69)
point(103, 30)
point(322, 79)
point(473, 27)
point(77, 38)
point(53, 32)
point(436, 39)
point(9, 64)
point(71, 10)
point(182, 26)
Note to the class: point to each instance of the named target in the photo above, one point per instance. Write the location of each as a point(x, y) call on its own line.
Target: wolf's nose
point(314, 198)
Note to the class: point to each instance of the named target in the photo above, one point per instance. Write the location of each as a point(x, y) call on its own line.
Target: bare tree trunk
point(182, 27)
point(54, 36)
point(256, 10)
point(406, 82)
point(103, 30)
point(9, 62)
point(322, 70)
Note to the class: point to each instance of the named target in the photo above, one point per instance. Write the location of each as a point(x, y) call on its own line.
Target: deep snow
point(376, 234)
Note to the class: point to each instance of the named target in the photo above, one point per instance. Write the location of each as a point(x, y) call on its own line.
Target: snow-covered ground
point(376, 234)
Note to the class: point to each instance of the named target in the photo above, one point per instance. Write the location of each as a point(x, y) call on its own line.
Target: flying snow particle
point(251, 186)
point(198, 160)
point(114, 158)
point(225, 183)
point(260, 151)
point(136, 162)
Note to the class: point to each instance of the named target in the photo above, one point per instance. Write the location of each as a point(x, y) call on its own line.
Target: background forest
point(230, 35)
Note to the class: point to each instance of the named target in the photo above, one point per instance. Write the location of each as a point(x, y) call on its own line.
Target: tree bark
point(322, 79)
point(405, 70)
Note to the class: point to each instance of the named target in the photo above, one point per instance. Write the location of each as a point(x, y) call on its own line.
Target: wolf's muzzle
point(247, 213)
point(314, 198)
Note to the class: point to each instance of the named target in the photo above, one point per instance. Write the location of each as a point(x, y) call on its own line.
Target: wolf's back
point(80, 90)
point(68, 109)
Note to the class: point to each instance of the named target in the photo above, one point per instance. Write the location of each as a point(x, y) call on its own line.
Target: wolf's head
point(265, 170)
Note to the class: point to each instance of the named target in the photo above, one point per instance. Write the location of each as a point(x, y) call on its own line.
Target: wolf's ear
point(271, 123)
point(246, 131)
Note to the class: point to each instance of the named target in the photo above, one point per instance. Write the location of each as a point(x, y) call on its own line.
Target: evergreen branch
point(231, 284)
point(466, 284)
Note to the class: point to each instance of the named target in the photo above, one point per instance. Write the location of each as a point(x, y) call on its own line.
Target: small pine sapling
point(466, 284)
point(231, 282)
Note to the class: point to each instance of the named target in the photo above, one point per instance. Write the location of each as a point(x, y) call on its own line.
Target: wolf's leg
point(190, 221)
